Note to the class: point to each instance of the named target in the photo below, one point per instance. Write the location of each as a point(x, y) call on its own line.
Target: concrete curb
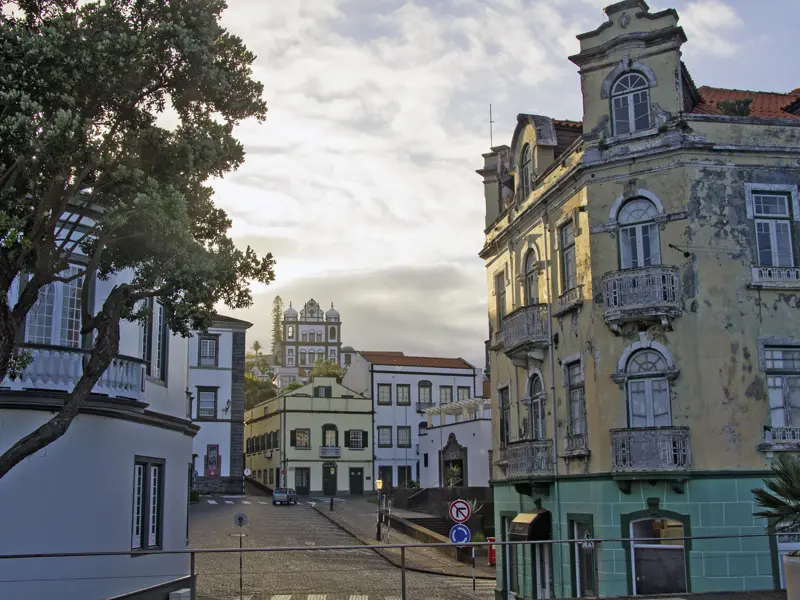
point(391, 560)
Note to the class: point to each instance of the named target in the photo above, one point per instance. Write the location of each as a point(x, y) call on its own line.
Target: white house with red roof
point(402, 387)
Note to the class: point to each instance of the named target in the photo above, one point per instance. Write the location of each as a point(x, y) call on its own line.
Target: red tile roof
point(567, 123)
point(400, 360)
point(766, 105)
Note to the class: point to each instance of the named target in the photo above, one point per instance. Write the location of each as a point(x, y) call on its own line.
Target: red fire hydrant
point(492, 551)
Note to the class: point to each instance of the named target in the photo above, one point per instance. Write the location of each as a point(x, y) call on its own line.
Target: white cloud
point(709, 25)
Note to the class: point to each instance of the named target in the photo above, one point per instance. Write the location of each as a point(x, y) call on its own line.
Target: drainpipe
point(551, 351)
point(374, 431)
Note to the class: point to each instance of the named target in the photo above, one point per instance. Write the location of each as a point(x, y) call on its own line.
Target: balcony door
point(648, 390)
point(638, 240)
point(531, 279)
point(533, 424)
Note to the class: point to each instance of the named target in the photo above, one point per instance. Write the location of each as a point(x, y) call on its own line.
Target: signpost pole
point(474, 591)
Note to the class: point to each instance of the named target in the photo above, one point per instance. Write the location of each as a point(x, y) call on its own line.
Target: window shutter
point(293, 438)
point(329, 391)
point(347, 438)
point(364, 439)
point(337, 438)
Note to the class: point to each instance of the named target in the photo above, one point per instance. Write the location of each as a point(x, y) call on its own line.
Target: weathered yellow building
point(642, 268)
point(315, 439)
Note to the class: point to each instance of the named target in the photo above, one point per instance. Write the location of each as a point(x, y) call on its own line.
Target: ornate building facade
point(643, 293)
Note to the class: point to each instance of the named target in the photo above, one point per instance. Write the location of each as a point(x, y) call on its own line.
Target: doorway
point(583, 560)
point(385, 475)
point(356, 481)
point(659, 560)
point(329, 479)
point(302, 480)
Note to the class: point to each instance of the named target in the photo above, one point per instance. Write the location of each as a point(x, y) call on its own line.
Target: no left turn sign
point(460, 511)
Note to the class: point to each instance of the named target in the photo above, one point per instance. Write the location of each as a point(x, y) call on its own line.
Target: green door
point(356, 481)
point(302, 479)
point(329, 479)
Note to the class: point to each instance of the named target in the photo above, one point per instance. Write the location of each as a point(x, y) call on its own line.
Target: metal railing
point(632, 293)
point(330, 451)
point(577, 444)
point(530, 457)
point(776, 276)
point(651, 449)
point(569, 299)
point(782, 436)
point(526, 325)
point(60, 368)
point(359, 571)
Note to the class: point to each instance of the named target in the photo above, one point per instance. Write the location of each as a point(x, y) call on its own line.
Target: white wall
point(76, 495)
point(475, 435)
point(395, 416)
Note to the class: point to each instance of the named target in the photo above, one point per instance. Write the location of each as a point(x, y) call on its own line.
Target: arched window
point(330, 436)
point(630, 104)
point(533, 426)
point(302, 357)
point(290, 332)
point(648, 390)
point(526, 172)
point(304, 336)
point(638, 235)
point(531, 279)
point(425, 392)
point(423, 428)
point(332, 333)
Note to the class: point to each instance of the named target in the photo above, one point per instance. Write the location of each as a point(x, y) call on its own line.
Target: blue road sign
point(460, 534)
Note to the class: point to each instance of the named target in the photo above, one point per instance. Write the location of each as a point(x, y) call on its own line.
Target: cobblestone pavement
point(357, 574)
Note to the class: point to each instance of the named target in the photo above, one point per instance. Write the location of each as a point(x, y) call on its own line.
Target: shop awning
point(532, 526)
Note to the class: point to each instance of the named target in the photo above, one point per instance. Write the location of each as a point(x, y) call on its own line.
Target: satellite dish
point(240, 519)
point(247, 472)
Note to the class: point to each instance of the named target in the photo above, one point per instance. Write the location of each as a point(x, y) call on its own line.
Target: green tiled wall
point(714, 505)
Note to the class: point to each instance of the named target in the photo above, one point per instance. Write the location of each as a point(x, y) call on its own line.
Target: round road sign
point(460, 511)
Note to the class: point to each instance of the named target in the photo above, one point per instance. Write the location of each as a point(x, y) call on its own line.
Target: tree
point(256, 348)
point(277, 325)
point(292, 386)
point(327, 368)
point(781, 498)
point(86, 169)
point(257, 390)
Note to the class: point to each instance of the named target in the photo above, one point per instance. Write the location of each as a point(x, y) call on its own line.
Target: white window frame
point(629, 97)
point(356, 439)
point(778, 377)
point(297, 438)
point(208, 359)
point(200, 392)
point(57, 291)
point(752, 190)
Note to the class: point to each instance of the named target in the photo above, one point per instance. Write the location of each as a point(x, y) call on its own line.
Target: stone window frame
point(620, 376)
point(566, 363)
point(766, 342)
point(750, 189)
point(627, 65)
point(631, 115)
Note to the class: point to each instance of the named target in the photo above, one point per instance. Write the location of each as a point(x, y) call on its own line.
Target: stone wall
point(219, 485)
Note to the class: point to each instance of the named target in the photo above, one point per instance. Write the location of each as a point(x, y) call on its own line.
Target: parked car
point(284, 496)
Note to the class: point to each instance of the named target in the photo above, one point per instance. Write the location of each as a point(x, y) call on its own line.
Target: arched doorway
point(329, 479)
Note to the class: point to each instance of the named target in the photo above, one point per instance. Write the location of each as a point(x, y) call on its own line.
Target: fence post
point(403, 573)
point(193, 578)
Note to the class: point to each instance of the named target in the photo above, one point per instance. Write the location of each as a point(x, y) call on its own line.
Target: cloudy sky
point(361, 182)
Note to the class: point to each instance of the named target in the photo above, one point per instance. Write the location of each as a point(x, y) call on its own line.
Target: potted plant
point(781, 503)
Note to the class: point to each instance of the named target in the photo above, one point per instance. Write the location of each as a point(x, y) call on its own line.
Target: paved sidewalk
point(358, 518)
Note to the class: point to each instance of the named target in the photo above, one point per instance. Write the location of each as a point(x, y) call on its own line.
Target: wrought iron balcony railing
point(526, 459)
point(526, 326)
point(776, 277)
point(651, 449)
point(570, 299)
point(330, 451)
point(59, 368)
point(648, 292)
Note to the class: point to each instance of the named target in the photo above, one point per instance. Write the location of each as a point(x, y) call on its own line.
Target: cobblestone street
point(357, 574)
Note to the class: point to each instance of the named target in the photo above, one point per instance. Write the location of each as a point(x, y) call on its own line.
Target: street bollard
point(331, 502)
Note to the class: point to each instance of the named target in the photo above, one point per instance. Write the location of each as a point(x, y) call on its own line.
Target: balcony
point(781, 439)
point(423, 406)
point(569, 300)
point(576, 445)
point(330, 452)
point(525, 328)
point(57, 368)
point(775, 278)
point(645, 294)
point(521, 460)
point(650, 449)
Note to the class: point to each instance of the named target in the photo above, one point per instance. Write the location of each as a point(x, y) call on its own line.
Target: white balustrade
point(59, 369)
point(776, 276)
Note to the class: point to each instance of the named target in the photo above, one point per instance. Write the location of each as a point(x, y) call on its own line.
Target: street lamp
point(379, 487)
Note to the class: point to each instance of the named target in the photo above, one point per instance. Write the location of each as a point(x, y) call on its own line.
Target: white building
point(401, 388)
point(216, 382)
point(456, 442)
point(118, 480)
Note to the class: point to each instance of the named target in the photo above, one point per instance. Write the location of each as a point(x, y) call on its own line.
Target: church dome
point(290, 312)
point(332, 314)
